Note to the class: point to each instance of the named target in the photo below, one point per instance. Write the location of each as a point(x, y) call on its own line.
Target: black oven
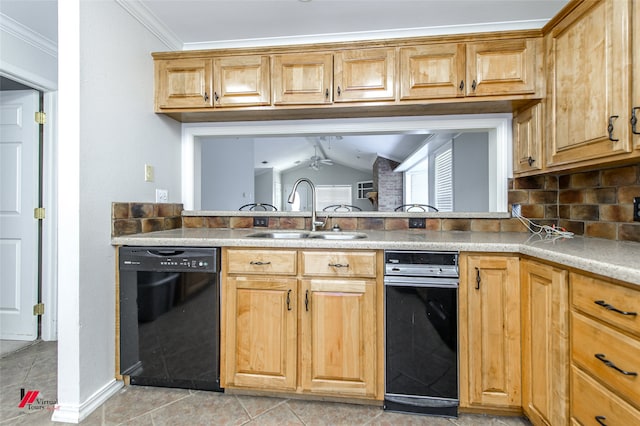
point(170, 316)
point(421, 332)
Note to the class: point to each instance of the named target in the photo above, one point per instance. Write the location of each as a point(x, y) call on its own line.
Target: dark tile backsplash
point(596, 204)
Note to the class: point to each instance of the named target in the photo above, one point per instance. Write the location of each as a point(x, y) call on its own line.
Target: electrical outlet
point(636, 209)
point(417, 222)
point(261, 221)
point(516, 210)
point(148, 173)
point(162, 196)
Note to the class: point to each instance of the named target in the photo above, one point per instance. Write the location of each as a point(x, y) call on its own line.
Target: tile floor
point(34, 368)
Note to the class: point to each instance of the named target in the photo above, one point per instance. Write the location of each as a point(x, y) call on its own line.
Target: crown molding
point(142, 14)
point(16, 29)
point(369, 35)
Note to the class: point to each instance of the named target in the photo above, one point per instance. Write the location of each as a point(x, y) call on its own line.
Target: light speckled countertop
point(615, 259)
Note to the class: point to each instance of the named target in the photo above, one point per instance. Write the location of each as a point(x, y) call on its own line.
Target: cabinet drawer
point(339, 264)
point(606, 353)
point(599, 298)
point(590, 401)
point(242, 261)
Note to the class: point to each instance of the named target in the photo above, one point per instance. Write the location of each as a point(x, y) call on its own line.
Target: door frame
point(49, 184)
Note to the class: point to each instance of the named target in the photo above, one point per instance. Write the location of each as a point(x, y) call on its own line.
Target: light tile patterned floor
point(35, 368)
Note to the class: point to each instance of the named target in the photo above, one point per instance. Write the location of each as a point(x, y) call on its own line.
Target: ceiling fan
point(316, 161)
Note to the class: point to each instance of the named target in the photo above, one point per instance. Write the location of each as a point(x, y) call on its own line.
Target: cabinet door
point(527, 140)
point(183, 83)
point(261, 336)
point(338, 336)
point(241, 81)
point(501, 67)
point(545, 345)
point(365, 75)
point(635, 101)
point(490, 331)
point(588, 66)
point(432, 71)
point(302, 79)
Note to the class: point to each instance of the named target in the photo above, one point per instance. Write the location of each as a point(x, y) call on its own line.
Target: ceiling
point(198, 24)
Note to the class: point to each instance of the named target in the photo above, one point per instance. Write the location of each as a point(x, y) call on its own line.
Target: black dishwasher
point(170, 316)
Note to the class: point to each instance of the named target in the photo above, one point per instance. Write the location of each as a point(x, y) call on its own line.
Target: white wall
point(471, 172)
point(227, 173)
point(108, 132)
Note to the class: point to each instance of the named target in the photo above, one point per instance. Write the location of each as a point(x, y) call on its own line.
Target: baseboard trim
point(77, 413)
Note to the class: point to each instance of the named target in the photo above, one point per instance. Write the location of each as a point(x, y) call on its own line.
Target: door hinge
point(41, 117)
point(38, 213)
point(38, 309)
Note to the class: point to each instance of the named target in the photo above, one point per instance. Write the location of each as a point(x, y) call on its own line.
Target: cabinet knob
point(326, 93)
point(215, 96)
point(478, 279)
point(530, 160)
point(461, 85)
point(206, 96)
point(339, 91)
point(474, 85)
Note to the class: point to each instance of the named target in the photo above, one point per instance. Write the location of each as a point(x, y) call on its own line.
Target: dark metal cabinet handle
point(613, 308)
point(339, 91)
point(461, 85)
point(474, 85)
point(259, 263)
point(206, 97)
point(288, 300)
point(339, 265)
point(215, 96)
point(600, 420)
point(478, 279)
point(306, 301)
point(605, 361)
point(531, 160)
point(634, 121)
point(326, 93)
point(610, 128)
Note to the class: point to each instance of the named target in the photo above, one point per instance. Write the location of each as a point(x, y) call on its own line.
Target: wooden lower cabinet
point(545, 343)
point(489, 328)
point(261, 332)
point(338, 336)
point(297, 333)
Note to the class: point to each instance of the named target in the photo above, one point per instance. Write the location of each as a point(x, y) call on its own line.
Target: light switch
point(148, 173)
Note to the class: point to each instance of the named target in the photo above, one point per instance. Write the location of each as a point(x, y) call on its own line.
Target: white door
point(19, 177)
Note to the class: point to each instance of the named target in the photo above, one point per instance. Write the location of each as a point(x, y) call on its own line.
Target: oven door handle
point(421, 282)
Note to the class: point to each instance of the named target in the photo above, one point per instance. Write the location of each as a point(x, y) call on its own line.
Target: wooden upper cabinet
point(365, 75)
point(300, 79)
point(635, 101)
point(502, 67)
point(588, 83)
point(432, 71)
point(183, 83)
point(241, 81)
point(528, 140)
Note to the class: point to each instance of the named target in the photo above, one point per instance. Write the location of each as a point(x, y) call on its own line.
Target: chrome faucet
point(292, 196)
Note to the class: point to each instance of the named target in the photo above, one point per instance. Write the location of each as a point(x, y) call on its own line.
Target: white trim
point(368, 35)
point(27, 78)
point(27, 35)
point(49, 323)
point(77, 413)
point(498, 126)
point(147, 19)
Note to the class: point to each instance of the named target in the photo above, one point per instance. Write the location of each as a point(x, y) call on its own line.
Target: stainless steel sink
point(338, 235)
point(296, 235)
point(287, 235)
